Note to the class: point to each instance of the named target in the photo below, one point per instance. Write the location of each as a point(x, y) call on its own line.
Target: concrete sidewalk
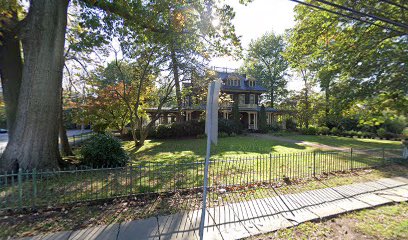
point(244, 219)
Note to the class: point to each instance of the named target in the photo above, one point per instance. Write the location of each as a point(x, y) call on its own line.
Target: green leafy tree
point(266, 63)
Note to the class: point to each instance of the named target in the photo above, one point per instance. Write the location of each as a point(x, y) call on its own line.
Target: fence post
point(34, 172)
point(20, 187)
point(314, 163)
point(131, 178)
point(383, 156)
point(351, 159)
point(270, 167)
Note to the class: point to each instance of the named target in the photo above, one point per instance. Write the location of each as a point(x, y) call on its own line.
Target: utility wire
point(395, 4)
point(386, 20)
point(348, 16)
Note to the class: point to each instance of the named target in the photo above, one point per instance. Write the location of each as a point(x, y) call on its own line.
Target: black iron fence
point(25, 189)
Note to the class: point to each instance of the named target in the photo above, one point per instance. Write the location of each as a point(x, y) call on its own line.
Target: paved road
point(4, 136)
point(248, 218)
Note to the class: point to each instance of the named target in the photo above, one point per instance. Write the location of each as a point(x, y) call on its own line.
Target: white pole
point(207, 160)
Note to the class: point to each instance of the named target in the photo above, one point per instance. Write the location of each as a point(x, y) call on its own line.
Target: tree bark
point(35, 140)
point(327, 107)
point(272, 99)
point(11, 67)
point(176, 84)
point(65, 147)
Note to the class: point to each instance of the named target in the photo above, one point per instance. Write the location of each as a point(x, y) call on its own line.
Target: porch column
point(256, 121)
point(249, 120)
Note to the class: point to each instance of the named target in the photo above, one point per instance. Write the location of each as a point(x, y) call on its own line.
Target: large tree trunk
point(327, 105)
point(176, 83)
point(35, 140)
point(272, 98)
point(11, 67)
point(65, 147)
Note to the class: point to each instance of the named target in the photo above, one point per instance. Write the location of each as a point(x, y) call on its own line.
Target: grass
point(174, 150)
point(174, 167)
point(385, 222)
point(194, 149)
point(82, 215)
point(345, 142)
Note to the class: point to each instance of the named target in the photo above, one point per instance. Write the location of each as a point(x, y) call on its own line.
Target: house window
point(251, 83)
point(233, 82)
point(242, 99)
point(252, 99)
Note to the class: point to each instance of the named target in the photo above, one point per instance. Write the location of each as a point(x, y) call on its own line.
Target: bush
point(195, 128)
point(395, 125)
point(290, 124)
point(381, 132)
point(103, 150)
point(367, 135)
point(335, 131)
point(348, 123)
point(274, 127)
point(223, 134)
point(405, 133)
point(229, 126)
point(309, 131)
point(350, 133)
point(323, 130)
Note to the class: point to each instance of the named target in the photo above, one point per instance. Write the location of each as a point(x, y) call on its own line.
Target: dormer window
point(233, 82)
point(251, 83)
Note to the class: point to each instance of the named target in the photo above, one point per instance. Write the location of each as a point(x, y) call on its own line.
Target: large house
point(247, 91)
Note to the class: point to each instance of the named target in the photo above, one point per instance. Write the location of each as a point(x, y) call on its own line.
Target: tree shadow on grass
point(189, 150)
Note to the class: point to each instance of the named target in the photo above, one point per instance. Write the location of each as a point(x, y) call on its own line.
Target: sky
point(254, 20)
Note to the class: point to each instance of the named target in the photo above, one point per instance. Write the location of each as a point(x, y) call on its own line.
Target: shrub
point(274, 127)
point(381, 132)
point(103, 150)
point(348, 123)
point(335, 131)
point(229, 126)
point(163, 131)
point(309, 131)
point(395, 125)
point(367, 135)
point(201, 136)
point(350, 133)
point(405, 133)
point(290, 124)
point(195, 128)
point(223, 134)
point(323, 130)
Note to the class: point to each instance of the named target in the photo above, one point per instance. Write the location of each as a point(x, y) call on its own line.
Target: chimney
point(244, 75)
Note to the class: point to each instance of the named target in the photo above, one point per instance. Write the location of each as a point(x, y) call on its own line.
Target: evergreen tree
point(236, 116)
point(263, 126)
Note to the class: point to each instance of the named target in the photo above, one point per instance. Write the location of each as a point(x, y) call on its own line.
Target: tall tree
point(34, 143)
point(365, 57)
point(10, 59)
point(266, 63)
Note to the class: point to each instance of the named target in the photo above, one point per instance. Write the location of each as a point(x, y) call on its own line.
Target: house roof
point(244, 86)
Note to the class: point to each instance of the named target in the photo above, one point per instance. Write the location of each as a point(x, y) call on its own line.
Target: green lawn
point(244, 146)
point(334, 141)
point(194, 149)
